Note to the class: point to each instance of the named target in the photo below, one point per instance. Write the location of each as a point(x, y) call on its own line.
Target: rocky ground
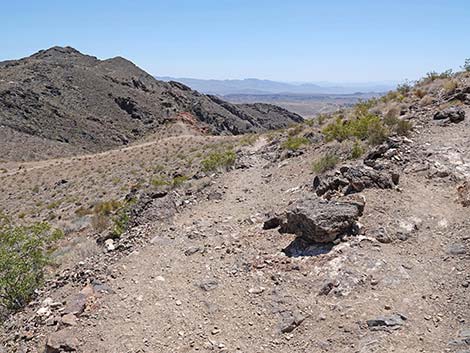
point(270, 257)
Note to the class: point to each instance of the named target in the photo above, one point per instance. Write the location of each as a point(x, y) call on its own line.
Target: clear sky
point(289, 40)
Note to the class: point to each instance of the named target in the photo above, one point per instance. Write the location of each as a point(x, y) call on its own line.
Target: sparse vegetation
point(249, 139)
point(450, 86)
point(326, 162)
point(433, 75)
point(159, 182)
point(466, 65)
point(361, 128)
point(294, 143)
point(216, 160)
point(295, 130)
point(357, 150)
point(179, 180)
point(24, 253)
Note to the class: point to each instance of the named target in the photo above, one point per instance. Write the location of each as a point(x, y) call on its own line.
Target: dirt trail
point(215, 281)
point(13, 168)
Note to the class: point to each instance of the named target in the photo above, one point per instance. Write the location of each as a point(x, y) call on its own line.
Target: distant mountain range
point(256, 86)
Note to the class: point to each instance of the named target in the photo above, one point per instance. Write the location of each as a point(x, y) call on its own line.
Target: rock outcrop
point(318, 221)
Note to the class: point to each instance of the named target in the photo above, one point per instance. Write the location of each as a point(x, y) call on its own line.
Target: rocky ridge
point(60, 100)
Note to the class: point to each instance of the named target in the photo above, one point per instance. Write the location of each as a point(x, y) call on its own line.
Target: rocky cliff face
point(62, 96)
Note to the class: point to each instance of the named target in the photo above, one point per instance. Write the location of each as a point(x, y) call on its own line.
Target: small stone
point(109, 244)
point(178, 303)
point(456, 249)
point(69, 320)
point(208, 285)
point(192, 250)
point(386, 322)
point(61, 341)
point(44, 311)
point(256, 290)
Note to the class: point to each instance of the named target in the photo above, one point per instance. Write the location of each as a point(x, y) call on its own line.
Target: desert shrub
point(403, 127)
point(107, 207)
point(450, 86)
point(321, 118)
point(362, 107)
point(466, 65)
point(54, 204)
point(216, 160)
point(426, 100)
point(336, 130)
point(309, 122)
point(420, 93)
point(100, 222)
point(24, 253)
point(326, 162)
point(433, 75)
point(82, 211)
point(294, 143)
point(159, 182)
point(179, 180)
point(404, 88)
point(121, 220)
point(360, 128)
point(376, 132)
point(357, 150)
point(295, 130)
point(249, 139)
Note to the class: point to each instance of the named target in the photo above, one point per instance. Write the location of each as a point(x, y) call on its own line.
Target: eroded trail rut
point(215, 281)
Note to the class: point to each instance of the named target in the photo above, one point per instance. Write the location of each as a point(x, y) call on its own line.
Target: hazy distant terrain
point(257, 86)
point(306, 99)
point(307, 105)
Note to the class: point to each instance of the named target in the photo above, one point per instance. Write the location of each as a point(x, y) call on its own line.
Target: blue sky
point(296, 40)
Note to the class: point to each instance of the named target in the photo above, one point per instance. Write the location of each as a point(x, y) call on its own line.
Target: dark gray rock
point(354, 179)
point(391, 322)
point(208, 285)
point(381, 235)
point(291, 320)
point(192, 250)
point(452, 114)
point(151, 207)
point(456, 249)
point(463, 339)
point(320, 221)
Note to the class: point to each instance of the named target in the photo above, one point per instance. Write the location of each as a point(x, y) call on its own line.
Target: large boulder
point(321, 221)
point(452, 114)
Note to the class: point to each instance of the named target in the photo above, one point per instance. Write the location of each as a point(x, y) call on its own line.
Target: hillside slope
point(202, 267)
point(62, 98)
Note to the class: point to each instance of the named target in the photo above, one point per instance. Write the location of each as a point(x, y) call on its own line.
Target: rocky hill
point(349, 233)
point(60, 101)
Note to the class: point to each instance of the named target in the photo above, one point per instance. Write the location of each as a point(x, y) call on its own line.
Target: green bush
point(105, 208)
point(326, 162)
point(433, 75)
point(357, 150)
point(360, 128)
point(249, 139)
point(216, 160)
point(466, 65)
point(121, 221)
point(179, 180)
point(295, 130)
point(294, 143)
point(404, 88)
point(403, 127)
point(24, 253)
point(159, 182)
